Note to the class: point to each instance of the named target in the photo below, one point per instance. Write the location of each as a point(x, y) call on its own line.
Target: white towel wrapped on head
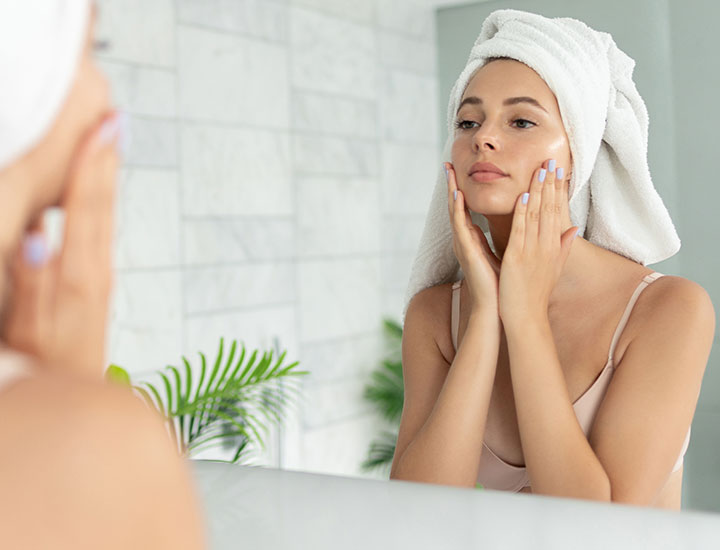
point(40, 46)
point(612, 197)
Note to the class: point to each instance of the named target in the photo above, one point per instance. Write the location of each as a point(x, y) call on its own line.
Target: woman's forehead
point(506, 78)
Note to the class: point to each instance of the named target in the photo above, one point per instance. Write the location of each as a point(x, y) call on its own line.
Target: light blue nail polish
point(455, 194)
point(541, 176)
point(109, 129)
point(551, 166)
point(560, 173)
point(577, 232)
point(36, 251)
point(123, 133)
point(525, 197)
point(447, 174)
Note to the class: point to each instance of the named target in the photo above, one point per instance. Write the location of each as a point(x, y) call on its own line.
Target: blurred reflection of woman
point(84, 464)
point(555, 365)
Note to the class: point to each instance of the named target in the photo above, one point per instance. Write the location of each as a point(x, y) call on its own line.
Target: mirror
point(282, 158)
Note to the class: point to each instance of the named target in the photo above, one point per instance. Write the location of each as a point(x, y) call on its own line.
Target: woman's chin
point(490, 207)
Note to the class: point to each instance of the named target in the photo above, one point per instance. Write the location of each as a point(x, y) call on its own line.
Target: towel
point(611, 195)
point(40, 45)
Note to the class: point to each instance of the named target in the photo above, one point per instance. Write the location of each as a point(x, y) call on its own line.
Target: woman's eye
point(524, 120)
point(464, 124)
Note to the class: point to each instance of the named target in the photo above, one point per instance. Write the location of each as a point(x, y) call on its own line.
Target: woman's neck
point(585, 263)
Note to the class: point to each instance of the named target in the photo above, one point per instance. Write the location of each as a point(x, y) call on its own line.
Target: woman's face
point(86, 103)
point(517, 137)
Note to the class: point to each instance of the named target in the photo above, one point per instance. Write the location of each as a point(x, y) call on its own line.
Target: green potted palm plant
point(232, 403)
point(386, 392)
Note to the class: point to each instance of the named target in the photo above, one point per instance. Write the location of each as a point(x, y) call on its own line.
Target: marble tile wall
point(283, 153)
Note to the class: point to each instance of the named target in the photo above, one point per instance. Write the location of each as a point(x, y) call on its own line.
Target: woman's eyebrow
point(473, 100)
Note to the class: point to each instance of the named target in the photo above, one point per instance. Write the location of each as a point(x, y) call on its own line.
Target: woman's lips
point(485, 176)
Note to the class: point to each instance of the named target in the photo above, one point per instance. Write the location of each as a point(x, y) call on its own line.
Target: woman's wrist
point(486, 315)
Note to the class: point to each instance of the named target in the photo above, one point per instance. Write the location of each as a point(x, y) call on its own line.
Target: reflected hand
point(479, 264)
point(58, 307)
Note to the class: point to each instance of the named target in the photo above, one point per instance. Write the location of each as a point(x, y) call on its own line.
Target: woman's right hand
point(479, 264)
point(58, 306)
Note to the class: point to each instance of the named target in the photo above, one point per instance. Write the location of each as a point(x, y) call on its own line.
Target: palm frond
point(386, 391)
point(230, 405)
point(381, 452)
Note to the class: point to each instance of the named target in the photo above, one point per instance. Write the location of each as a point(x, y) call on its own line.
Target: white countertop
point(268, 509)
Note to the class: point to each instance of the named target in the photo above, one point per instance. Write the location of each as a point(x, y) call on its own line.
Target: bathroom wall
point(282, 156)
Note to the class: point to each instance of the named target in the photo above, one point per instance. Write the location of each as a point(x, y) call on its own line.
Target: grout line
point(281, 43)
point(330, 257)
point(239, 309)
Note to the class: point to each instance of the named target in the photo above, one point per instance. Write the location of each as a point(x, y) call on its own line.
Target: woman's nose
point(486, 137)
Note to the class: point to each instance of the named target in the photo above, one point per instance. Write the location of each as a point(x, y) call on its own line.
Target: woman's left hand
point(537, 248)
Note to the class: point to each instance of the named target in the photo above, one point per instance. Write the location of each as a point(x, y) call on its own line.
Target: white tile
point(153, 142)
point(401, 234)
point(259, 329)
point(335, 401)
point(343, 357)
point(229, 78)
point(327, 114)
point(409, 177)
point(232, 172)
point(138, 31)
point(338, 298)
point(258, 18)
point(410, 17)
point(399, 51)
point(396, 270)
point(393, 301)
point(362, 11)
point(146, 320)
point(340, 448)
point(409, 108)
point(209, 289)
point(142, 90)
point(218, 241)
point(322, 155)
point(333, 55)
point(148, 219)
point(338, 216)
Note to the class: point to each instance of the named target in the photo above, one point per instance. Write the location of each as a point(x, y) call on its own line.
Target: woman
point(557, 365)
point(84, 465)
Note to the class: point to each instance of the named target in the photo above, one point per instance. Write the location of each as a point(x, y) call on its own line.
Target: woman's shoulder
point(433, 301)
point(671, 299)
point(432, 307)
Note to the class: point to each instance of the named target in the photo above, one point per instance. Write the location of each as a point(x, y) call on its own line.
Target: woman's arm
point(444, 414)
point(558, 457)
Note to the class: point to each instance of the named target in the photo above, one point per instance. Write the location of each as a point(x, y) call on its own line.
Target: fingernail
point(447, 174)
point(560, 173)
point(576, 233)
point(525, 197)
point(123, 133)
point(36, 250)
point(455, 195)
point(541, 177)
point(109, 129)
point(551, 166)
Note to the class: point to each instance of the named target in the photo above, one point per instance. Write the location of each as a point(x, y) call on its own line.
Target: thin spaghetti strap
point(628, 309)
point(455, 312)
